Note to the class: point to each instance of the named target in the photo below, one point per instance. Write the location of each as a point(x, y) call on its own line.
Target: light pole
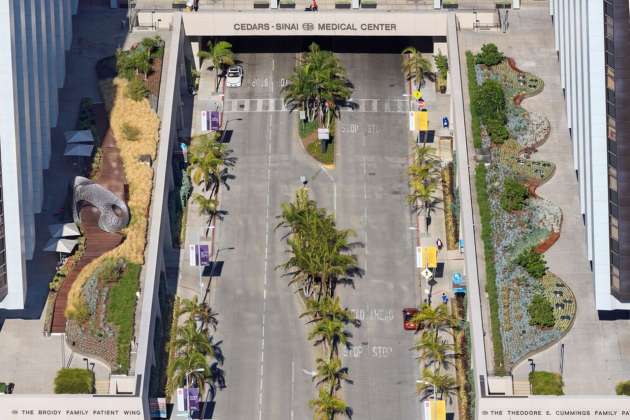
point(188, 391)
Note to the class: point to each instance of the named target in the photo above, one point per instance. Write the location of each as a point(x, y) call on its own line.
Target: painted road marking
point(395, 106)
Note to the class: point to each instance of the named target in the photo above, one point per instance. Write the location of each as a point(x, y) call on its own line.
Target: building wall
point(36, 35)
point(580, 36)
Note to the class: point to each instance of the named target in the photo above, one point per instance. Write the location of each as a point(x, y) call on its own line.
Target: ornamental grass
point(123, 110)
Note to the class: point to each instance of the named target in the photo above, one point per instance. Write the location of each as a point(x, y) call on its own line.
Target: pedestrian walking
point(439, 244)
point(444, 298)
point(314, 6)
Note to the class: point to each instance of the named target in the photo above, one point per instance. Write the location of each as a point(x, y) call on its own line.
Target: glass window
point(612, 130)
point(614, 228)
point(610, 78)
point(612, 183)
point(614, 277)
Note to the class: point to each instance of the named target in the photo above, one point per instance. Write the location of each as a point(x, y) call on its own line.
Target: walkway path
point(97, 241)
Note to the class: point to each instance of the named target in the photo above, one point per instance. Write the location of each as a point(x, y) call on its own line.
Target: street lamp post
point(216, 256)
point(188, 391)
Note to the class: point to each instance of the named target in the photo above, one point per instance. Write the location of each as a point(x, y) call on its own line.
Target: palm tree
point(414, 65)
point(435, 319)
point(422, 197)
point(443, 384)
point(328, 308)
point(330, 372)
point(188, 362)
point(200, 312)
point(220, 54)
point(190, 340)
point(208, 207)
point(434, 350)
point(327, 406)
point(332, 333)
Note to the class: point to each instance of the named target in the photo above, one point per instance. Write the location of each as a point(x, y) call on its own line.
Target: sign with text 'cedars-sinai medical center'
point(314, 27)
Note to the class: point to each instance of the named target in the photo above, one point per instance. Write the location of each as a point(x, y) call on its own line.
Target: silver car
point(234, 76)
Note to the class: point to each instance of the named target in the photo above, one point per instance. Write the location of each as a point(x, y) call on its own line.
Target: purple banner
point(193, 400)
point(204, 255)
point(215, 120)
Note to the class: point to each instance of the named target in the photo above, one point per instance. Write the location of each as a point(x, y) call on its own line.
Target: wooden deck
point(97, 242)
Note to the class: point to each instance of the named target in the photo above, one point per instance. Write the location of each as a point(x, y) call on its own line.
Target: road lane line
point(262, 340)
point(292, 386)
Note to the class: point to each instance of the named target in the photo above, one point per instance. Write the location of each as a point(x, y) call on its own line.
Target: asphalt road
point(264, 342)
point(371, 189)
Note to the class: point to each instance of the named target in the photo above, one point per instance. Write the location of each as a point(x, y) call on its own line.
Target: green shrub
point(441, 63)
point(472, 89)
point(185, 190)
point(491, 273)
point(130, 132)
point(623, 388)
point(136, 90)
point(514, 195)
point(546, 383)
point(489, 55)
point(541, 312)
point(121, 311)
point(489, 101)
point(497, 130)
point(533, 262)
point(74, 381)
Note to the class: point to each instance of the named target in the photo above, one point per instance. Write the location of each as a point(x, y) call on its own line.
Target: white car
point(234, 76)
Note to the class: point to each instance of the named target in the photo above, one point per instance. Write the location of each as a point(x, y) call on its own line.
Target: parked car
point(234, 76)
point(408, 323)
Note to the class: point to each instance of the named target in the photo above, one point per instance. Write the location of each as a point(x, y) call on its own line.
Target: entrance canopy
point(80, 136)
point(65, 246)
point(79, 150)
point(64, 230)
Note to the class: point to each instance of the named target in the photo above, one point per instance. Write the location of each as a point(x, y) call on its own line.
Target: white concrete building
point(35, 36)
point(587, 32)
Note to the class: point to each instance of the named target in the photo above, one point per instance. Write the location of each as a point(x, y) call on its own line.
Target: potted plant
point(368, 4)
point(450, 4)
point(179, 4)
point(287, 4)
point(343, 4)
point(261, 4)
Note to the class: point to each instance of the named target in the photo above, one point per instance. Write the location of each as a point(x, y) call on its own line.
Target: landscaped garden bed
point(102, 299)
point(530, 307)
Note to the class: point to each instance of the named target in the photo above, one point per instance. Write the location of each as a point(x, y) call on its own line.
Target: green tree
point(514, 195)
point(188, 362)
point(189, 339)
point(434, 318)
point(489, 101)
point(415, 66)
point(200, 311)
point(332, 333)
point(208, 207)
point(533, 262)
point(220, 55)
point(332, 373)
point(540, 312)
point(489, 55)
point(441, 63)
point(443, 383)
point(326, 407)
point(434, 350)
point(328, 308)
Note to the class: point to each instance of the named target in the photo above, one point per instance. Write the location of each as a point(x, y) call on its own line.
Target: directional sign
point(417, 94)
point(427, 274)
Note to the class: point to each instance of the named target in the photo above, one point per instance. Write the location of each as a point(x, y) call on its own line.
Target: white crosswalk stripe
point(277, 105)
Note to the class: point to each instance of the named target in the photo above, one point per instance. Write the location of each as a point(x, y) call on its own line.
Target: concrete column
point(10, 153)
point(75, 7)
point(273, 4)
point(599, 155)
point(356, 4)
point(571, 82)
point(195, 47)
point(580, 115)
point(551, 8)
point(556, 23)
point(562, 38)
point(437, 4)
point(67, 22)
point(586, 99)
point(516, 4)
point(52, 61)
point(39, 97)
point(60, 43)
